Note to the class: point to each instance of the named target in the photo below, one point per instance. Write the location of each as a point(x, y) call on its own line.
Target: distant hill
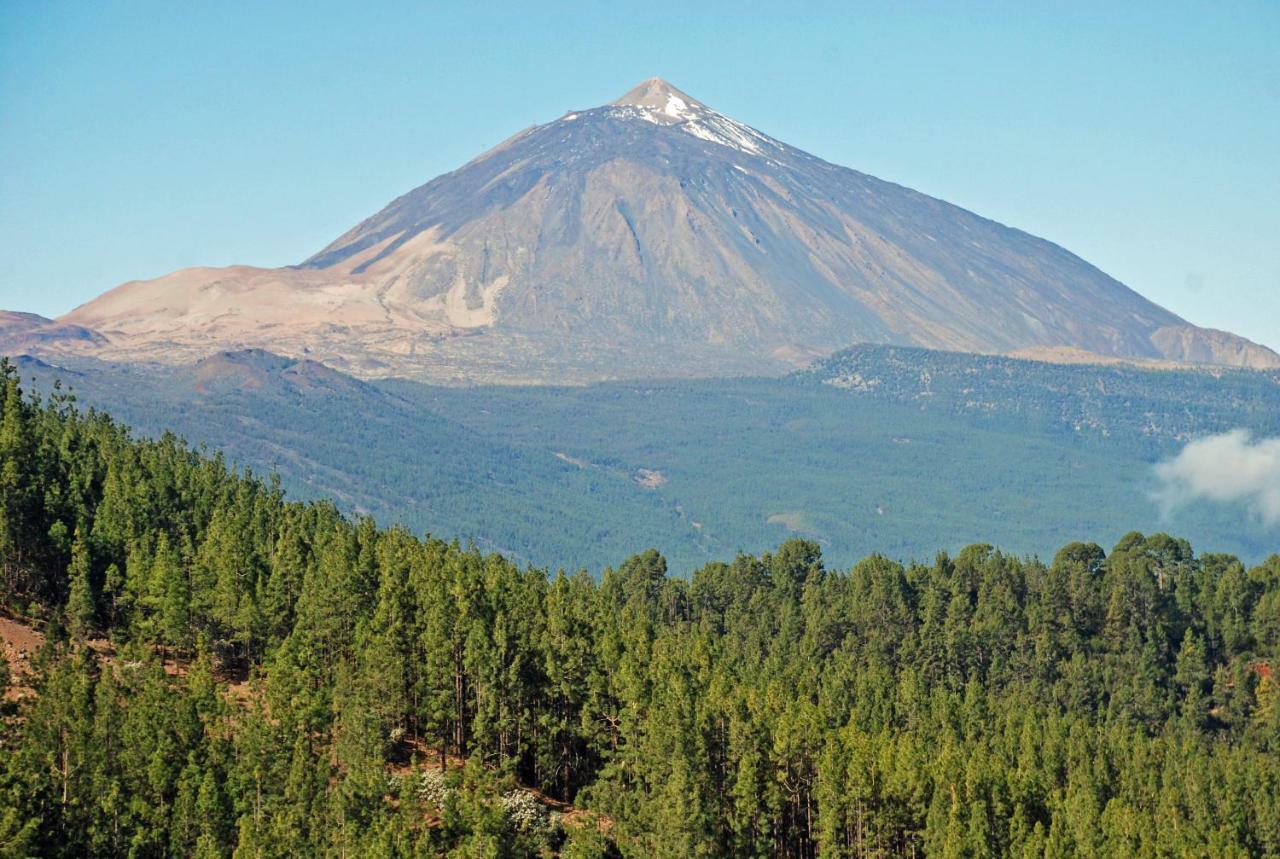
point(649, 237)
point(890, 449)
point(1127, 403)
point(329, 435)
point(21, 332)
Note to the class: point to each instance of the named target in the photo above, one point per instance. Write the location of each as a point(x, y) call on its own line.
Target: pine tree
point(1190, 679)
point(82, 601)
point(17, 495)
point(169, 596)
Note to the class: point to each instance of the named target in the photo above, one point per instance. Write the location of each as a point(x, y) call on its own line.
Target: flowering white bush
point(523, 812)
point(433, 788)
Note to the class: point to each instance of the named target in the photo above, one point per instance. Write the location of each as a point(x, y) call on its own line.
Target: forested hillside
point(928, 451)
point(228, 672)
point(1133, 406)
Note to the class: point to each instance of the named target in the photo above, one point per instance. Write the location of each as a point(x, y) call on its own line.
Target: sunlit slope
point(653, 236)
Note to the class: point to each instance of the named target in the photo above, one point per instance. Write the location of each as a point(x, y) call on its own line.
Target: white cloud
point(1226, 468)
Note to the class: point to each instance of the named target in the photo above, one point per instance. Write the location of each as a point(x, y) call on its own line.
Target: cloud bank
point(1226, 468)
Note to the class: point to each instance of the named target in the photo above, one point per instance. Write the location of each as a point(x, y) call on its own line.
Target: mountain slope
point(652, 236)
point(329, 435)
point(880, 448)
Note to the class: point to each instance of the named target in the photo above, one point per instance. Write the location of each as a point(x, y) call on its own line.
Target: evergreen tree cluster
point(228, 673)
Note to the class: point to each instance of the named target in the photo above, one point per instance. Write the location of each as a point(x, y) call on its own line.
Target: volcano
point(648, 237)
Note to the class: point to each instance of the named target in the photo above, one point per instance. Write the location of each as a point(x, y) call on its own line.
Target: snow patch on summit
point(659, 102)
point(677, 108)
point(704, 124)
point(727, 132)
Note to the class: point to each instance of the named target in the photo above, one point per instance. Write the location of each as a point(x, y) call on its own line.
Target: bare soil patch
point(21, 643)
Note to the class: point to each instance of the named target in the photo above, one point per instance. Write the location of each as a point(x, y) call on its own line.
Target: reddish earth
point(21, 643)
point(22, 640)
point(413, 752)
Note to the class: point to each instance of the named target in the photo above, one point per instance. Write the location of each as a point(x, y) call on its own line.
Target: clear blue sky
point(136, 138)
